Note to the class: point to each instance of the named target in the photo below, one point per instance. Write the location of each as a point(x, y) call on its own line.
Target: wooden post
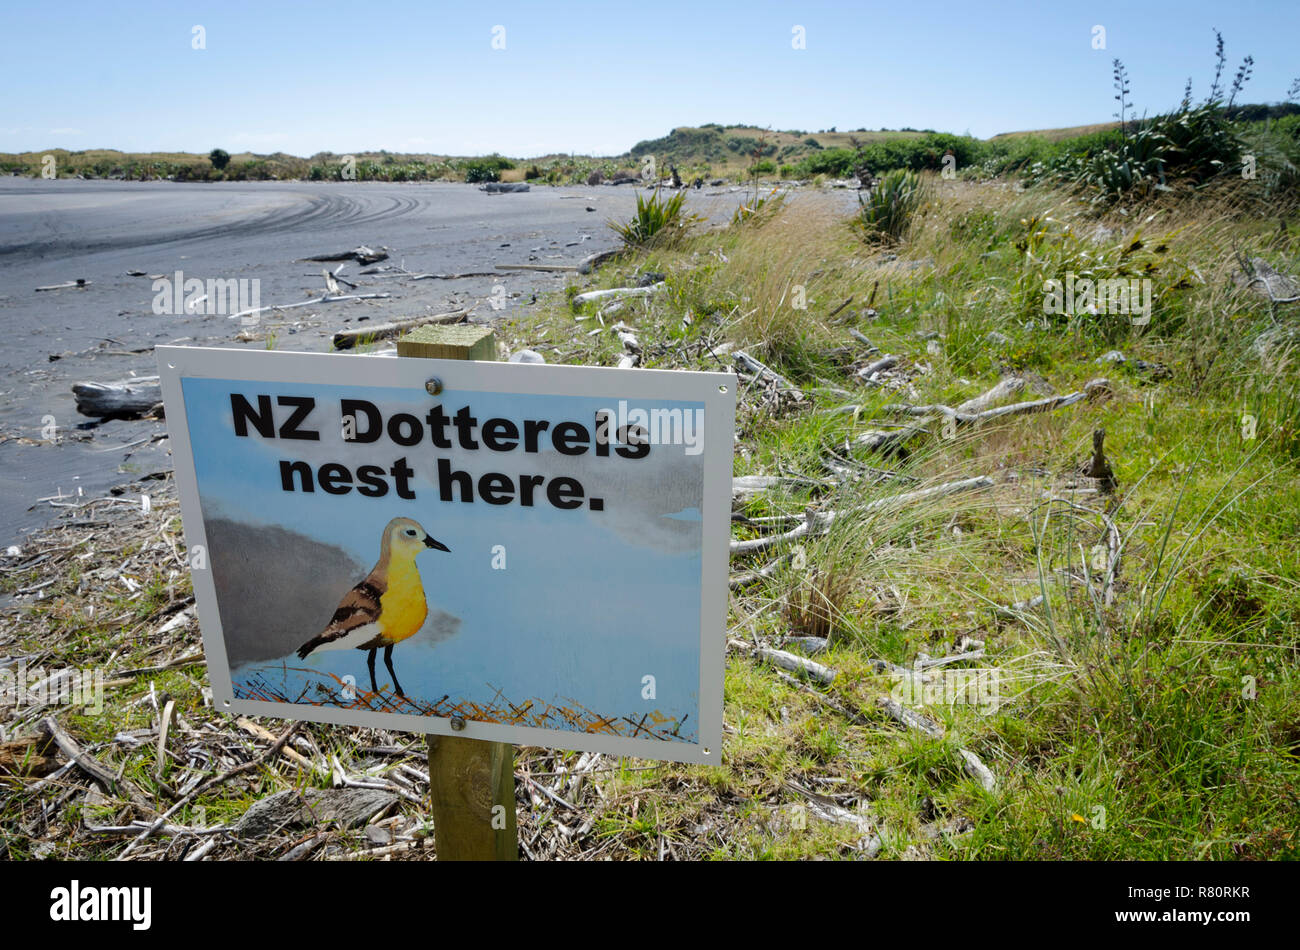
point(466, 341)
point(471, 782)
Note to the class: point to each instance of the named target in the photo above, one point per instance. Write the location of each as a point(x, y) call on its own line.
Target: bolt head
point(433, 386)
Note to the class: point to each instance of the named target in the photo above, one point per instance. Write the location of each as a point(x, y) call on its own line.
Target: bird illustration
point(385, 608)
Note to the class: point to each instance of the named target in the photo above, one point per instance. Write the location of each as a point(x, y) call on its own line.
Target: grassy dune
point(1162, 721)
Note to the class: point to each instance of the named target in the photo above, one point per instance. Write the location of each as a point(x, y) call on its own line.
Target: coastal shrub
point(839, 162)
point(1193, 144)
point(486, 169)
point(1190, 145)
point(887, 211)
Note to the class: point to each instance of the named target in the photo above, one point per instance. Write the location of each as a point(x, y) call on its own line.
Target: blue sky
point(581, 611)
point(594, 78)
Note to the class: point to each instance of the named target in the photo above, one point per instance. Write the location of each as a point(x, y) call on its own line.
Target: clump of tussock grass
point(889, 208)
point(658, 220)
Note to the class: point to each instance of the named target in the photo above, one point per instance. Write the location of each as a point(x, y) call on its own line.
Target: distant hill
point(710, 149)
point(1249, 112)
point(725, 147)
point(1057, 135)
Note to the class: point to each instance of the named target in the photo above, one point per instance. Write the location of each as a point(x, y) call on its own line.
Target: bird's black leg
point(388, 662)
point(370, 662)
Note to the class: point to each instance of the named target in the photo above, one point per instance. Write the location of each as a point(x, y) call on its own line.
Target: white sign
point(520, 553)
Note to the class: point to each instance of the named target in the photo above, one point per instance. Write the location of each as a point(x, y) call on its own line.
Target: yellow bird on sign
point(385, 608)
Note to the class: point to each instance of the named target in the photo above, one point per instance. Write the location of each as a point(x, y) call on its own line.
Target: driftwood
point(977, 769)
point(819, 521)
point(361, 254)
point(332, 281)
point(619, 292)
point(87, 762)
point(1006, 387)
point(394, 272)
point(879, 366)
point(164, 726)
point(592, 261)
point(839, 308)
point(808, 644)
point(1258, 275)
point(815, 523)
point(862, 338)
point(762, 370)
point(878, 440)
point(526, 356)
point(79, 282)
point(934, 491)
point(328, 298)
point(346, 339)
point(121, 400)
point(932, 663)
point(745, 487)
point(505, 187)
point(1040, 405)
point(348, 807)
point(252, 765)
point(548, 268)
point(253, 729)
point(625, 336)
point(31, 756)
point(1020, 607)
point(787, 661)
point(909, 718)
point(823, 808)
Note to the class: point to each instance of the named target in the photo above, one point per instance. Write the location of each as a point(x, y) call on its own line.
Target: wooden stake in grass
point(471, 782)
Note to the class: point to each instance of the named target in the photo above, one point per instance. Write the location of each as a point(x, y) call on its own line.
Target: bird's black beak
point(436, 545)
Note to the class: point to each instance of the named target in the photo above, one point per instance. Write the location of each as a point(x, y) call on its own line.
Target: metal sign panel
point(519, 553)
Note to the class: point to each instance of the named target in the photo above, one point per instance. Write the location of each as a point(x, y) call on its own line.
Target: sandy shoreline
point(56, 231)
